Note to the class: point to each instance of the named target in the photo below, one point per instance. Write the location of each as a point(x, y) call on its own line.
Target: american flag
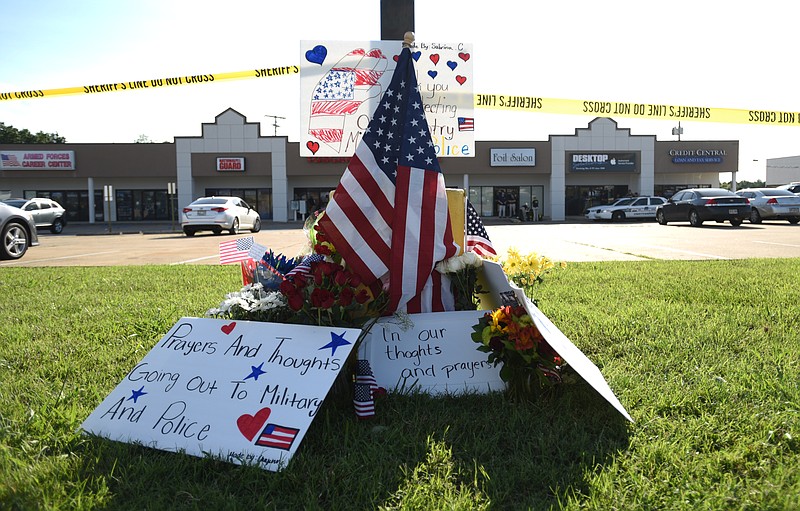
point(466, 124)
point(304, 267)
point(279, 437)
point(389, 212)
point(363, 402)
point(341, 91)
point(234, 251)
point(365, 375)
point(477, 237)
point(364, 391)
point(9, 160)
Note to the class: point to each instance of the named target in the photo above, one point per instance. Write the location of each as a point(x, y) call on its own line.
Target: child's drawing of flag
point(278, 437)
point(340, 92)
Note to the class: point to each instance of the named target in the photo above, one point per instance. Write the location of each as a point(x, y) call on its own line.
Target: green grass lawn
point(703, 355)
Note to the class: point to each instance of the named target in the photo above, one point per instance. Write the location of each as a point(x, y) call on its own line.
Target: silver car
point(46, 213)
point(772, 204)
point(219, 214)
point(17, 232)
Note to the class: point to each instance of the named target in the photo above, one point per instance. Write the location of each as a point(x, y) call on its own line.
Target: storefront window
point(75, 202)
point(315, 198)
point(258, 198)
point(579, 198)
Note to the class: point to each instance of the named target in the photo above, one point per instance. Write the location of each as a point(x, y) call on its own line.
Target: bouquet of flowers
point(315, 289)
point(510, 337)
point(463, 273)
point(526, 269)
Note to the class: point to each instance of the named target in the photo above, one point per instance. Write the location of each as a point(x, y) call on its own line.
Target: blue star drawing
point(256, 372)
point(336, 341)
point(136, 394)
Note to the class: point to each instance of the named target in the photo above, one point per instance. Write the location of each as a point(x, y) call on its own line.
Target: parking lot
point(132, 244)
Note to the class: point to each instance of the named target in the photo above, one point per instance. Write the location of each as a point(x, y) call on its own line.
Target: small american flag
point(477, 237)
point(305, 265)
point(9, 160)
point(364, 374)
point(234, 251)
point(362, 401)
point(466, 124)
point(279, 437)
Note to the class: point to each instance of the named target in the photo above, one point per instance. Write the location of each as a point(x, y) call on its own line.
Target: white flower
point(458, 263)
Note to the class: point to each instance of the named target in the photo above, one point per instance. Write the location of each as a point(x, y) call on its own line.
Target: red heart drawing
point(312, 146)
point(250, 425)
point(461, 79)
point(396, 58)
point(228, 328)
point(463, 56)
point(435, 58)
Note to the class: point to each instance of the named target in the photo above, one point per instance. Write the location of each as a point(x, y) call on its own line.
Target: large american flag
point(389, 215)
point(477, 237)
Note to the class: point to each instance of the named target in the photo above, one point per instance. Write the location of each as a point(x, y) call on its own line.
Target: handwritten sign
point(243, 392)
point(433, 354)
point(341, 83)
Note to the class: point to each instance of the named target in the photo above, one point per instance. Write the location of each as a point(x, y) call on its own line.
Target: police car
point(627, 208)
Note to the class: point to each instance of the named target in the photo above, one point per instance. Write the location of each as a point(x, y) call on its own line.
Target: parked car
point(17, 232)
point(772, 204)
point(219, 214)
point(696, 205)
point(792, 187)
point(630, 207)
point(46, 213)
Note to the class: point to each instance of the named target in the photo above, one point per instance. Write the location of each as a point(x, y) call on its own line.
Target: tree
point(741, 185)
point(11, 135)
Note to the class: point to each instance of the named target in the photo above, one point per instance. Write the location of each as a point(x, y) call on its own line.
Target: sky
point(698, 53)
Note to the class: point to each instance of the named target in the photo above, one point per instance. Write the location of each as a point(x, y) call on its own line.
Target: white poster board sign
point(341, 83)
point(432, 353)
point(244, 392)
point(501, 292)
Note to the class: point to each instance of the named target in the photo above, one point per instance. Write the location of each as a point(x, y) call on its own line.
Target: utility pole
point(397, 18)
point(275, 122)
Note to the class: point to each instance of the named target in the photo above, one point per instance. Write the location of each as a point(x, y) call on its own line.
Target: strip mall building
point(564, 174)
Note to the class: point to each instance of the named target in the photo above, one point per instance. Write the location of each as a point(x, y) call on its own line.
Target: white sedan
point(627, 208)
point(219, 214)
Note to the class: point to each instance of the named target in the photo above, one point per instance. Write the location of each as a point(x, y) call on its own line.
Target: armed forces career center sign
point(243, 392)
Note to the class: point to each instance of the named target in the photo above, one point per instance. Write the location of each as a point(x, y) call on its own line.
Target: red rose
point(300, 280)
point(287, 288)
point(342, 277)
point(329, 269)
point(322, 298)
point(355, 279)
point(362, 296)
point(319, 248)
point(295, 301)
point(346, 297)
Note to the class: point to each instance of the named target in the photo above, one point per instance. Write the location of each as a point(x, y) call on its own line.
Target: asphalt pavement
point(165, 227)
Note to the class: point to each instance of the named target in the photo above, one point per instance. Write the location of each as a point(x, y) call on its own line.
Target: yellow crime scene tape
point(636, 110)
point(487, 101)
